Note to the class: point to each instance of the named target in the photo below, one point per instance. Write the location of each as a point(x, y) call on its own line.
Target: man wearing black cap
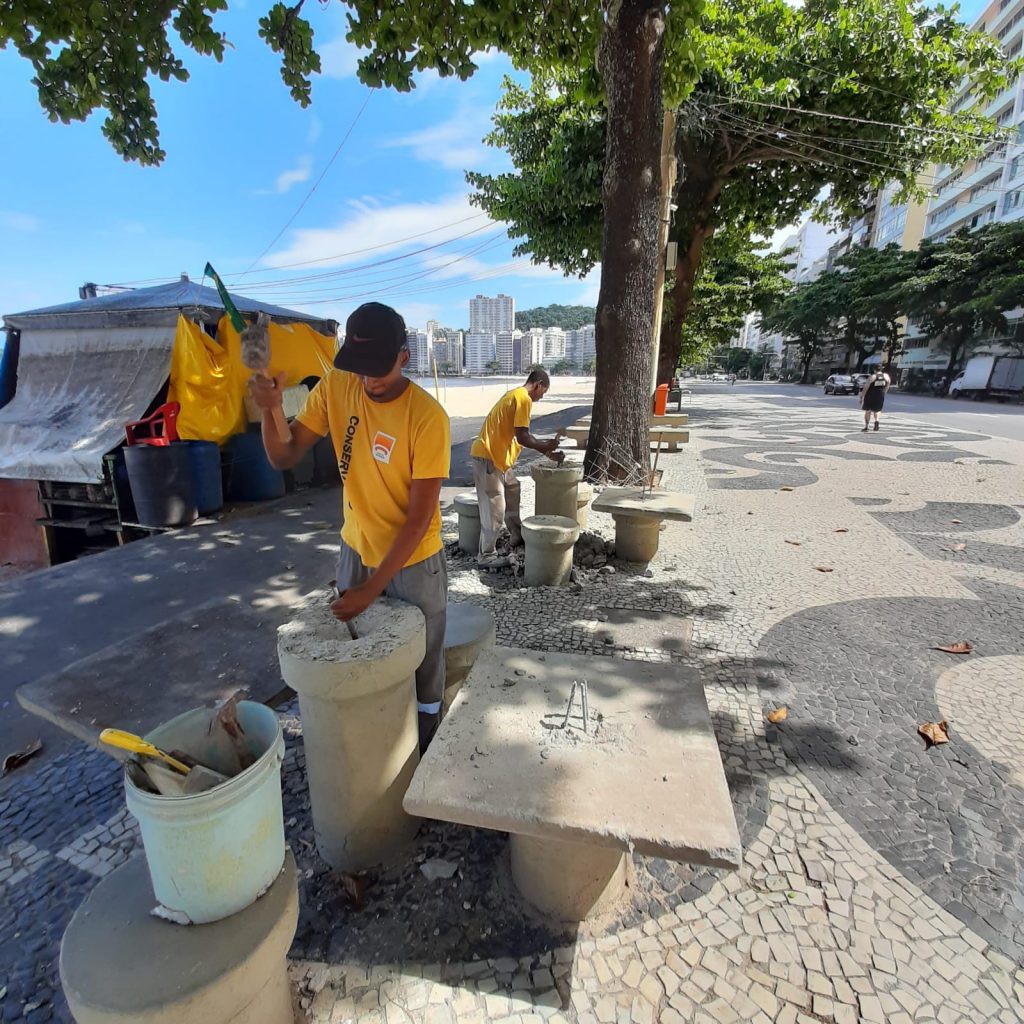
point(393, 444)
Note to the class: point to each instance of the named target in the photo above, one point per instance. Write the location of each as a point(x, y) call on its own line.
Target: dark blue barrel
point(161, 481)
point(250, 474)
point(206, 481)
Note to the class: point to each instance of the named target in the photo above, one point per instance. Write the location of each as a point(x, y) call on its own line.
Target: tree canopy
point(566, 317)
point(790, 100)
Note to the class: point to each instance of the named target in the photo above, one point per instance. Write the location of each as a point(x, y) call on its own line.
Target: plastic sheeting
point(76, 390)
point(208, 378)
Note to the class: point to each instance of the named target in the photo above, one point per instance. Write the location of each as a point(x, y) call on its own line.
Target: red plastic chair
point(160, 428)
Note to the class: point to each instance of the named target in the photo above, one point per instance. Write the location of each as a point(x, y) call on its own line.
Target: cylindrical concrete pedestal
point(567, 881)
point(468, 510)
point(549, 541)
point(636, 537)
point(357, 699)
point(120, 964)
point(468, 630)
point(584, 496)
point(556, 489)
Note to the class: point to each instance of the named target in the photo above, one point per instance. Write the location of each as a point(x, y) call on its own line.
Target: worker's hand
point(557, 457)
point(353, 602)
point(267, 392)
point(559, 434)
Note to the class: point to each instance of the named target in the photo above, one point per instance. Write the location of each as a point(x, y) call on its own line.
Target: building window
point(1015, 166)
point(1013, 200)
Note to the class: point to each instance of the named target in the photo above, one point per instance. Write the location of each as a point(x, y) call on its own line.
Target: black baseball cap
point(374, 335)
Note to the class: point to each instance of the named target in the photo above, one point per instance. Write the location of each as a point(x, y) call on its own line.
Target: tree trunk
point(631, 61)
point(955, 348)
point(807, 368)
point(696, 198)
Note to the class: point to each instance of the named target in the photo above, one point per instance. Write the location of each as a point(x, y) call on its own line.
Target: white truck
point(999, 377)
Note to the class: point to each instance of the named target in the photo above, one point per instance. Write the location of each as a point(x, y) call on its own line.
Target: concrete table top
point(655, 504)
point(466, 625)
point(197, 658)
point(646, 776)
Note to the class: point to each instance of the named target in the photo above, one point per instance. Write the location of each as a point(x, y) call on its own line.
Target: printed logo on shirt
point(383, 446)
point(346, 447)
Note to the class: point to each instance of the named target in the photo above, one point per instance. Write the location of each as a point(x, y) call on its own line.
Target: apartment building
point(481, 349)
point(491, 314)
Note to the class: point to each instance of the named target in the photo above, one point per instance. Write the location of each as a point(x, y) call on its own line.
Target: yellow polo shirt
point(381, 447)
point(497, 439)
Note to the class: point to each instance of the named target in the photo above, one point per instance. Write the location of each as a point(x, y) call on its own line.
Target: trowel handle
point(137, 745)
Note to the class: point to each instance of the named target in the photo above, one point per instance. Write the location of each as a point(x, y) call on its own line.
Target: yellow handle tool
point(137, 745)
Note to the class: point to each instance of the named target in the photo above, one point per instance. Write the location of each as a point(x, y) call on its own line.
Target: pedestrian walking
point(505, 432)
point(872, 396)
point(393, 443)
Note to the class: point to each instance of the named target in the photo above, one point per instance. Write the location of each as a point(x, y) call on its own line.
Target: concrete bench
point(644, 774)
point(672, 436)
point(638, 517)
point(669, 419)
point(468, 630)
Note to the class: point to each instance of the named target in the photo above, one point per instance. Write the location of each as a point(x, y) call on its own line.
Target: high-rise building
point(554, 345)
point(492, 314)
point(504, 343)
point(481, 349)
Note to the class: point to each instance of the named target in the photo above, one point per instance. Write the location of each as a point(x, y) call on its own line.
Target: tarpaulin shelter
point(85, 368)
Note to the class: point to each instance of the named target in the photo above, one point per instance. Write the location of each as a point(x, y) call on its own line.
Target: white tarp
point(76, 390)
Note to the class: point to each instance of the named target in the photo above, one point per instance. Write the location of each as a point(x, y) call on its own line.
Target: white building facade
point(481, 349)
point(491, 314)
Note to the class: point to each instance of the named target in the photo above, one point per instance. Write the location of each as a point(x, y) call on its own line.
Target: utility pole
point(668, 185)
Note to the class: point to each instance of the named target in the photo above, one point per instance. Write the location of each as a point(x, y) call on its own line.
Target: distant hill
point(567, 317)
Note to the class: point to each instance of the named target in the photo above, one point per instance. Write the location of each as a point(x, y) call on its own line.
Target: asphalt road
point(993, 418)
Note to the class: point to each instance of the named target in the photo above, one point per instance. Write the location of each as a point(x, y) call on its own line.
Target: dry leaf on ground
point(778, 715)
point(795, 543)
point(354, 887)
point(934, 732)
point(842, 529)
point(19, 757)
point(823, 568)
point(785, 488)
point(959, 522)
point(956, 547)
point(960, 647)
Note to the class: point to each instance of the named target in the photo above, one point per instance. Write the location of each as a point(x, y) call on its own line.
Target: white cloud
point(381, 228)
point(286, 180)
point(456, 143)
point(416, 314)
point(16, 221)
point(316, 127)
point(339, 58)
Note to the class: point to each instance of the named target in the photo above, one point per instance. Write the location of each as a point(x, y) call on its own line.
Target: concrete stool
point(469, 629)
point(556, 489)
point(119, 963)
point(357, 699)
point(468, 509)
point(584, 496)
point(549, 541)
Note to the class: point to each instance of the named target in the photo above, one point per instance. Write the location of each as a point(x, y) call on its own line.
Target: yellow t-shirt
point(381, 447)
point(497, 439)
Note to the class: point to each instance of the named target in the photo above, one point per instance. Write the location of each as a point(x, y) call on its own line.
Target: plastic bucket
point(161, 482)
point(213, 854)
point(204, 457)
point(251, 477)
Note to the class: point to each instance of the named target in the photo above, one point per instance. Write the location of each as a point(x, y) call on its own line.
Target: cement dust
point(314, 634)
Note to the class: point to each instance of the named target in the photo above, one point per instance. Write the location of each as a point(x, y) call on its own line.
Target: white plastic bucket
point(213, 854)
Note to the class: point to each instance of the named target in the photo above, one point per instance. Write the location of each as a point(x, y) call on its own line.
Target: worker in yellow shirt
point(393, 443)
point(505, 432)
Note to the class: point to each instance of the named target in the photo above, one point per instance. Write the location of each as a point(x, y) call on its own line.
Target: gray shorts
point(424, 585)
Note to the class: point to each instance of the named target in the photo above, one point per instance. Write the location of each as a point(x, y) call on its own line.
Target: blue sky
point(242, 156)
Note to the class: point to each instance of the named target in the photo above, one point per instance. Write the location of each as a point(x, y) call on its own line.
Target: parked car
point(860, 379)
point(840, 384)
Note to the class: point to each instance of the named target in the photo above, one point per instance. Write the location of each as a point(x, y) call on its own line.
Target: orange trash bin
point(660, 399)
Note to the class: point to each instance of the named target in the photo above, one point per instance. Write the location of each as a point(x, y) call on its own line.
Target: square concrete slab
point(193, 659)
point(646, 775)
point(655, 504)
